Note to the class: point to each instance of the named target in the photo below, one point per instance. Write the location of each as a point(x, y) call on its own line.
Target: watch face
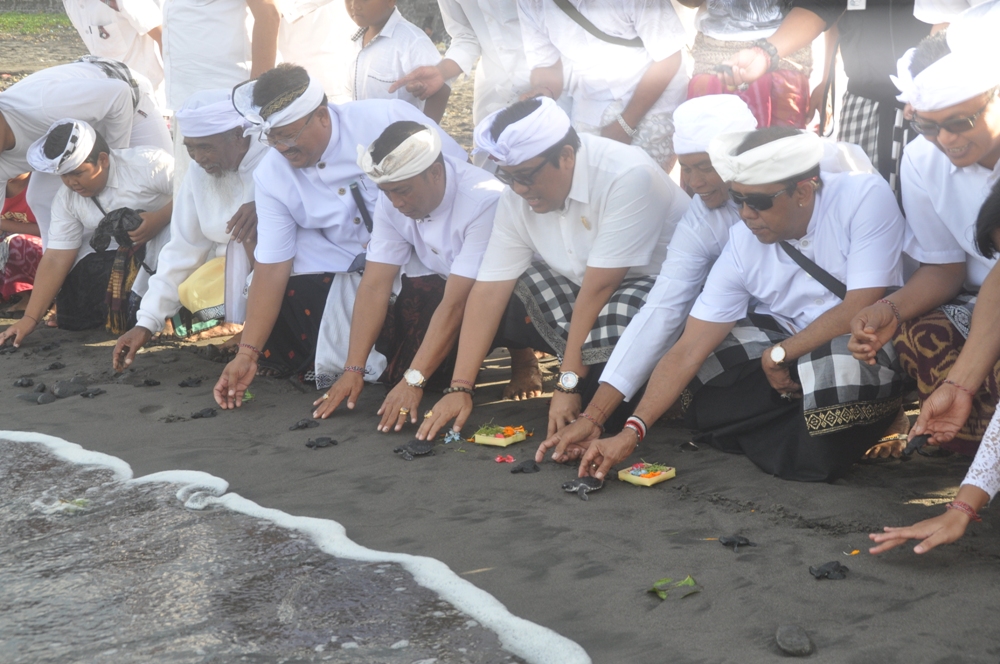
point(413, 377)
point(777, 354)
point(568, 380)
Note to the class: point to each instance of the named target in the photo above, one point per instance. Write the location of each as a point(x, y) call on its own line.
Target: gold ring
point(326, 396)
point(404, 411)
point(429, 414)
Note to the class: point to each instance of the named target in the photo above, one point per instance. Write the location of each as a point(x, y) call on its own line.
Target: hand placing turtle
point(402, 403)
point(455, 406)
point(348, 386)
point(602, 454)
point(569, 443)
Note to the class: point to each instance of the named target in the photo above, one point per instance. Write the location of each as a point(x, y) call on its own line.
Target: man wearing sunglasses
point(313, 203)
point(763, 365)
point(599, 214)
point(943, 321)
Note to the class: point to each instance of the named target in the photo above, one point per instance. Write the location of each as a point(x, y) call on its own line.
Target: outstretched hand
point(942, 529)
point(422, 82)
point(128, 345)
point(871, 329)
point(348, 386)
point(17, 332)
point(602, 454)
point(402, 403)
point(942, 414)
point(455, 406)
point(235, 380)
point(569, 443)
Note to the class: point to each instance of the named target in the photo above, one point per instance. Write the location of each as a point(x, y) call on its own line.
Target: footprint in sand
point(146, 410)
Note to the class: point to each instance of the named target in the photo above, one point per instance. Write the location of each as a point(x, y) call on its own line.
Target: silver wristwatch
point(778, 354)
point(414, 378)
point(568, 382)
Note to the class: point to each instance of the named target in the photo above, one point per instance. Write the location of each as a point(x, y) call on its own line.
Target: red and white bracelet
point(949, 381)
point(636, 424)
point(964, 508)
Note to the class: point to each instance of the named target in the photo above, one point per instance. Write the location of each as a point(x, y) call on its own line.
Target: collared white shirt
point(603, 73)
point(621, 212)
point(206, 44)
point(121, 35)
point(138, 178)
point(316, 34)
point(78, 90)
point(855, 234)
point(399, 48)
point(197, 234)
point(942, 202)
point(308, 215)
point(698, 241)
point(942, 11)
point(450, 240)
point(488, 31)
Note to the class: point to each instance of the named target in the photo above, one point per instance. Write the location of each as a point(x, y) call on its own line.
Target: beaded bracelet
point(964, 508)
point(467, 383)
point(895, 311)
point(631, 131)
point(458, 388)
point(949, 381)
point(769, 50)
point(249, 347)
point(587, 416)
point(355, 369)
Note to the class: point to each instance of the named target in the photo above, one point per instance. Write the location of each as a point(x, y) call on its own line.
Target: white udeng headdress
point(972, 67)
point(78, 147)
point(525, 139)
point(410, 158)
point(301, 106)
point(772, 162)
point(697, 121)
point(208, 113)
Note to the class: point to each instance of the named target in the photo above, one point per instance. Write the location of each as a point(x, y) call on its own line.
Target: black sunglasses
point(523, 179)
point(956, 126)
point(756, 202)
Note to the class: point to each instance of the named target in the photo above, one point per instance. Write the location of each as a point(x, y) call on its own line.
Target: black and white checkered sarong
point(859, 124)
point(549, 298)
point(838, 391)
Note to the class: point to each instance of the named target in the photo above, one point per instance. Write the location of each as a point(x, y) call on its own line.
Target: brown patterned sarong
point(405, 325)
point(927, 348)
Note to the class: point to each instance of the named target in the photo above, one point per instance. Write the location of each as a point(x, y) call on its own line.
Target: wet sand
point(580, 568)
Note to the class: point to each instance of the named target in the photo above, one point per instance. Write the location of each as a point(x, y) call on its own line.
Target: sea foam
point(198, 490)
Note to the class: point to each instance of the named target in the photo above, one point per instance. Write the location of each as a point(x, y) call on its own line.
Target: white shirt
point(450, 240)
point(699, 239)
point(197, 234)
point(488, 31)
point(316, 34)
point(855, 234)
point(621, 212)
point(308, 214)
point(138, 178)
point(985, 469)
point(77, 90)
point(206, 45)
point(399, 48)
point(121, 35)
point(942, 202)
point(603, 73)
point(942, 11)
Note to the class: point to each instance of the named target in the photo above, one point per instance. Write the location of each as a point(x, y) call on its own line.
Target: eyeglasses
point(285, 142)
point(756, 202)
point(956, 126)
point(523, 179)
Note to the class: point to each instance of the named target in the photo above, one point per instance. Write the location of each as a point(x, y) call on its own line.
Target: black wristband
point(458, 388)
point(771, 50)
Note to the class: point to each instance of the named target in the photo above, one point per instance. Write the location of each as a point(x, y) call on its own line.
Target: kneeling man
point(434, 218)
point(780, 385)
point(203, 267)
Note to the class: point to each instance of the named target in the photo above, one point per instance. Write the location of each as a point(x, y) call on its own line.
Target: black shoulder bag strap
point(585, 23)
point(832, 283)
point(362, 206)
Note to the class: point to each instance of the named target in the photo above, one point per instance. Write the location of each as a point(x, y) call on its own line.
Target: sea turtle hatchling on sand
point(581, 486)
point(415, 448)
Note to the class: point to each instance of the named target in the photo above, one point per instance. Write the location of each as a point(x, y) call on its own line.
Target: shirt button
point(804, 243)
point(322, 164)
point(819, 300)
point(341, 191)
point(357, 220)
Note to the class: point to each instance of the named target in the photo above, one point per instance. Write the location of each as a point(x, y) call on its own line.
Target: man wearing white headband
point(99, 183)
point(213, 228)
point(313, 203)
point(599, 214)
point(779, 385)
point(697, 242)
point(941, 321)
point(114, 100)
point(432, 221)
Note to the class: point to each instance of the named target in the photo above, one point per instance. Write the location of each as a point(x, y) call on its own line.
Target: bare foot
point(221, 330)
point(234, 340)
point(894, 441)
point(525, 376)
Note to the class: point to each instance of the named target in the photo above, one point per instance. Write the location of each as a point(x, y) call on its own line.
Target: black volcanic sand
point(580, 568)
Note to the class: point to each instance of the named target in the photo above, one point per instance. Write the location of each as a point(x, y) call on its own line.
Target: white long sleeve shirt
point(198, 234)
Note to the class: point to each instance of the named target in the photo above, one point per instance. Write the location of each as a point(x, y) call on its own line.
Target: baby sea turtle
point(23, 382)
point(149, 382)
point(203, 413)
point(92, 392)
point(526, 466)
point(830, 570)
point(915, 444)
point(736, 542)
point(189, 382)
point(322, 441)
point(581, 486)
point(304, 424)
point(55, 366)
point(39, 388)
point(415, 448)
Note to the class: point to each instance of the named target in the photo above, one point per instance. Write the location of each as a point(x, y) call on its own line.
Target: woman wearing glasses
point(944, 341)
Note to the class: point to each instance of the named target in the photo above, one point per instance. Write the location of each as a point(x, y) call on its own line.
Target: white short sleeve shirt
point(698, 240)
point(942, 203)
point(393, 53)
point(603, 73)
point(308, 215)
point(855, 234)
point(941, 11)
point(621, 212)
point(450, 240)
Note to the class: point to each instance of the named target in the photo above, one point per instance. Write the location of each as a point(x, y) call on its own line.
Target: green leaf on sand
point(684, 588)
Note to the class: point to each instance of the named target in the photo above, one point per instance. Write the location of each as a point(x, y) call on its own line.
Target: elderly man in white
point(779, 385)
point(213, 225)
point(313, 203)
point(432, 222)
